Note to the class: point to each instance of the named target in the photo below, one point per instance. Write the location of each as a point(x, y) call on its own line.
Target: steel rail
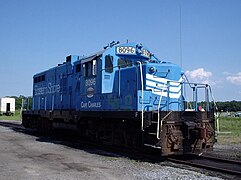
point(222, 159)
point(203, 165)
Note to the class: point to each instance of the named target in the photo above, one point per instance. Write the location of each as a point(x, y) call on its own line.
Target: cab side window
point(77, 68)
point(109, 63)
point(87, 69)
point(123, 63)
point(90, 68)
point(94, 67)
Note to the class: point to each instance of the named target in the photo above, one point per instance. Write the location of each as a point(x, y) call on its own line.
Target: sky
point(202, 36)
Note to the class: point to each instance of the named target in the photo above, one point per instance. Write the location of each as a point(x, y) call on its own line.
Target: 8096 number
point(125, 50)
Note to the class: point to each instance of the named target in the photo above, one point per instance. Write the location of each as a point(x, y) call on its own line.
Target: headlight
point(152, 70)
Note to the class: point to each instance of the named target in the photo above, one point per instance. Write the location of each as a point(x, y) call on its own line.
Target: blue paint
point(110, 80)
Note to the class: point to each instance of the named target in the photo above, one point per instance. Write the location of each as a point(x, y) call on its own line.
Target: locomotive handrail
point(117, 66)
point(165, 118)
point(158, 115)
point(207, 87)
point(142, 94)
point(119, 81)
point(157, 74)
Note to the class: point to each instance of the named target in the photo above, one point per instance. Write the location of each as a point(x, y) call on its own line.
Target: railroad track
point(225, 166)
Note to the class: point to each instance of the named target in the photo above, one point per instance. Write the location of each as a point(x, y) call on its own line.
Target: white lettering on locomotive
point(90, 82)
point(50, 89)
point(125, 50)
point(90, 104)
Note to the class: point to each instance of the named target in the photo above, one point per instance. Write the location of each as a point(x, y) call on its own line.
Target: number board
point(125, 50)
point(145, 53)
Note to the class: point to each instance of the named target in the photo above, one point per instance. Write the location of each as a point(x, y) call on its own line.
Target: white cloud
point(200, 76)
point(226, 73)
point(199, 73)
point(235, 78)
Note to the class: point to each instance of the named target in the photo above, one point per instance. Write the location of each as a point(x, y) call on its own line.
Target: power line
point(180, 31)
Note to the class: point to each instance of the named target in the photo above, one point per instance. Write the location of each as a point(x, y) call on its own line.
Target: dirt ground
point(26, 155)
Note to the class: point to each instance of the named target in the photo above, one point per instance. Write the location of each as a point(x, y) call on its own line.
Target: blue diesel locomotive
point(124, 96)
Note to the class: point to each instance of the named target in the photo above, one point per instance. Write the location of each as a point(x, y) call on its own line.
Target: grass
point(230, 130)
point(16, 116)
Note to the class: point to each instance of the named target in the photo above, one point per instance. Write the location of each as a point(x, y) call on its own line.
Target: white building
point(7, 106)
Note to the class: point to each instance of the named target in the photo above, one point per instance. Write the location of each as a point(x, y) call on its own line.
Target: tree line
point(230, 106)
point(22, 101)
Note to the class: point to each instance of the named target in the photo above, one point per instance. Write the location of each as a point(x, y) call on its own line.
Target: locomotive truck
point(124, 96)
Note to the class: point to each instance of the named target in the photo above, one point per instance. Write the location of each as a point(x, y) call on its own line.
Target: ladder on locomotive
point(153, 131)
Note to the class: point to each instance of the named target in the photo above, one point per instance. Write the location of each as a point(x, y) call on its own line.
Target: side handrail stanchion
point(158, 115)
point(142, 96)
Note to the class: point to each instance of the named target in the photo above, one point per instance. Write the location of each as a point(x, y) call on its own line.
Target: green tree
point(20, 99)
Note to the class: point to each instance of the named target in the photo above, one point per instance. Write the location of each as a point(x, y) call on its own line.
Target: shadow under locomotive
point(64, 137)
point(72, 139)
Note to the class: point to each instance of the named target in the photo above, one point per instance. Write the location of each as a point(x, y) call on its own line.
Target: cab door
point(107, 74)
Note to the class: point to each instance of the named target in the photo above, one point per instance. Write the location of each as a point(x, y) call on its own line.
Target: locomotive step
point(152, 146)
point(152, 134)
